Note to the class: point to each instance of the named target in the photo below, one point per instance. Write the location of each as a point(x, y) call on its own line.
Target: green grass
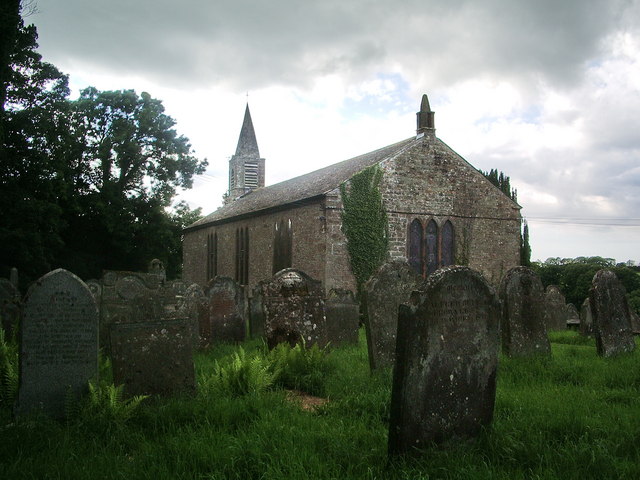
point(573, 416)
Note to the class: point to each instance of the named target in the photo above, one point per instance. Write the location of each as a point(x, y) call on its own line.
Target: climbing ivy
point(364, 223)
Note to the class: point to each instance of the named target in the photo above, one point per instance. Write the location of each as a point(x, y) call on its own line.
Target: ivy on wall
point(364, 223)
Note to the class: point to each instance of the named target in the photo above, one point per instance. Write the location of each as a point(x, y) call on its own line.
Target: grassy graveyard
point(572, 416)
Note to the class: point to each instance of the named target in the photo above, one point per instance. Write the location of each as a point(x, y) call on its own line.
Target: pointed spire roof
point(425, 117)
point(247, 143)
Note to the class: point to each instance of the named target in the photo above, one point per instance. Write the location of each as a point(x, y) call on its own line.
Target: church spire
point(425, 117)
point(247, 143)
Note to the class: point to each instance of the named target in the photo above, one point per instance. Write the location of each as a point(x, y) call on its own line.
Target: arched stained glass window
point(415, 246)
point(431, 244)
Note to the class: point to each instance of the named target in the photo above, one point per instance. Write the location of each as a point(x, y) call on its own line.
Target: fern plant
point(241, 375)
point(8, 371)
point(299, 367)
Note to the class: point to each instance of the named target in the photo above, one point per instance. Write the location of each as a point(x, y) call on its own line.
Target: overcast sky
point(546, 91)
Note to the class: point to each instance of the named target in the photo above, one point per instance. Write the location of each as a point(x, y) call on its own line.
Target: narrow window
point(447, 243)
point(242, 255)
point(282, 245)
point(212, 255)
point(416, 247)
point(431, 244)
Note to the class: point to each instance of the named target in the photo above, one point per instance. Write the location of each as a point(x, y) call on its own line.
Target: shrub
point(241, 375)
point(300, 368)
point(8, 370)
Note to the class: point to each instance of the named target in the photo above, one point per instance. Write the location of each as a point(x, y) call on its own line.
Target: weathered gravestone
point(256, 312)
point(635, 320)
point(524, 332)
point(555, 309)
point(610, 311)
point(153, 358)
point(343, 317)
point(390, 286)
point(226, 321)
point(9, 307)
point(444, 380)
point(573, 317)
point(194, 308)
point(58, 344)
point(586, 319)
point(294, 309)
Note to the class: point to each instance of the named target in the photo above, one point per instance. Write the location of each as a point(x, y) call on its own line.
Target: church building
point(441, 211)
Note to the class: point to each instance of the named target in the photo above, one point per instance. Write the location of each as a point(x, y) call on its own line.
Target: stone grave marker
point(555, 309)
point(343, 317)
point(10, 306)
point(193, 307)
point(524, 332)
point(153, 358)
point(226, 322)
point(294, 309)
point(59, 343)
point(635, 320)
point(586, 319)
point(444, 380)
point(390, 286)
point(256, 312)
point(610, 311)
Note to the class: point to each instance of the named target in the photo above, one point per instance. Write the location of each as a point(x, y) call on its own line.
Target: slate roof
point(300, 188)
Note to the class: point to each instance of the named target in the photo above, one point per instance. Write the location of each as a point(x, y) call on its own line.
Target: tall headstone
point(444, 380)
point(343, 317)
point(524, 332)
point(610, 310)
point(294, 309)
point(226, 321)
point(58, 343)
point(153, 358)
point(10, 307)
point(194, 308)
point(391, 286)
point(555, 310)
point(586, 319)
point(256, 312)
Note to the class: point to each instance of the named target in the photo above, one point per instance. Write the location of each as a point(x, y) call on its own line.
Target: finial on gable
point(425, 117)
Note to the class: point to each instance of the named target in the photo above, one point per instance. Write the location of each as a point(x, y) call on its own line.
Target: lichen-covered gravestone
point(610, 311)
point(153, 358)
point(58, 344)
point(343, 317)
point(555, 309)
point(524, 332)
point(389, 287)
point(226, 321)
point(444, 380)
point(586, 319)
point(294, 309)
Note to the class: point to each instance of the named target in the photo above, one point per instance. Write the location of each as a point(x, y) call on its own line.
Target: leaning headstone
point(610, 310)
point(586, 319)
point(256, 312)
point(524, 332)
point(390, 286)
point(573, 317)
point(294, 309)
point(444, 381)
point(226, 322)
point(555, 310)
point(153, 358)
point(58, 343)
point(343, 317)
point(10, 307)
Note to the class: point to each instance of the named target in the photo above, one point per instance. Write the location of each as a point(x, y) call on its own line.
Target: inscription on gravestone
point(610, 311)
point(524, 332)
point(444, 380)
point(391, 285)
point(59, 343)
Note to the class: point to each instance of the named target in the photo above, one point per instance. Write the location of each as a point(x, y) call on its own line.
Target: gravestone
point(444, 380)
point(58, 344)
point(226, 322)
point(390, 286)
point(194, 308)
point(343, 317)
point(153, 358)
point(610, 311)
point(586, 319)
point(294, 309)
point(573, 317)
point(524, 332)
point(555, 310)
point(635, 320)
point(10, 307)
point(256, 312)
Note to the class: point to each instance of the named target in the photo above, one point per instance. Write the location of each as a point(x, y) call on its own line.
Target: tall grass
point(572, 416)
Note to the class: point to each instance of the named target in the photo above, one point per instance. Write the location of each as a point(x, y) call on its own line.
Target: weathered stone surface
point(555, 309)
point(153, 358)
point(226, 304)
point(59, 343)
point(294, 309)
point(573, 317)
point(586, 319)
point(10, 307)
point(391, 285)
point(444, 379)
point(635, 320)
point(343, 317)
point(194, 308)
point(524, 332)
point(256, 312)
point(610, 310)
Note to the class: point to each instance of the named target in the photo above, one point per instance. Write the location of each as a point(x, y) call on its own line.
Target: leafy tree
point(502, 181)
point(525, 247)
